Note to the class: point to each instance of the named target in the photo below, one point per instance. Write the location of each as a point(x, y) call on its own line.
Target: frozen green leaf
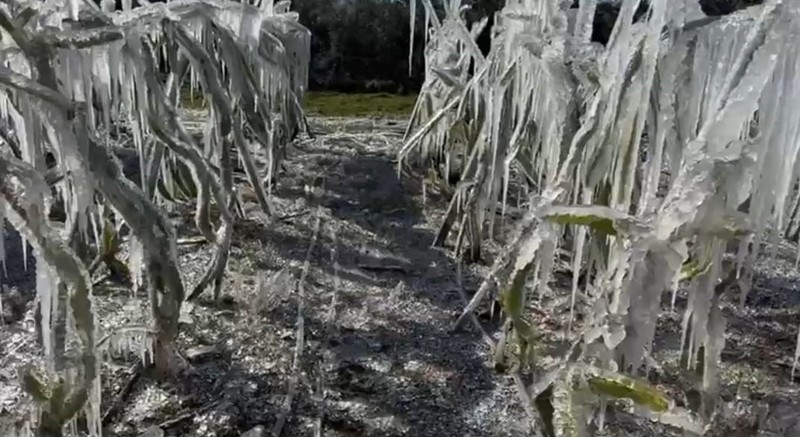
point(624, 387)
point(601, 219)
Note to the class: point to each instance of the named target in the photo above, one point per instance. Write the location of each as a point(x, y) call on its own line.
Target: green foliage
point(564, 402)
point(602, 225)
point(622, 387)
point(697, 265)
point(513, 303)
point(34, 385)
point(691, 269)
point(110, 247)
point(192, 100)
point(602, 220)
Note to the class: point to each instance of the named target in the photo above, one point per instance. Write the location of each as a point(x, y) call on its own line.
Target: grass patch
point(332, 104)
point(194, 100)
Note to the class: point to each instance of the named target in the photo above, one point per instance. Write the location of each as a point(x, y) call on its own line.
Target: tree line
point(362, 45)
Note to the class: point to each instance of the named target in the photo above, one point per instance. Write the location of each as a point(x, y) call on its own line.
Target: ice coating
point(565, 119)
point(84, 87)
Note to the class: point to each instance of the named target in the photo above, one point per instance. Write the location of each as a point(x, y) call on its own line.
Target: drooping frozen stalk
point(564, 120)
point(71, 73)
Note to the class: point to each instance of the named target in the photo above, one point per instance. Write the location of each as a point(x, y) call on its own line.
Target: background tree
point(359, 45)
point(362, 45)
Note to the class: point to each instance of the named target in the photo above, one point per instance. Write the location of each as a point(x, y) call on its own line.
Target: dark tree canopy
point(362, 45)
point(724, 7)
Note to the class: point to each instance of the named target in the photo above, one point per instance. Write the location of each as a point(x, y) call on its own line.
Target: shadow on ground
point(389, 361)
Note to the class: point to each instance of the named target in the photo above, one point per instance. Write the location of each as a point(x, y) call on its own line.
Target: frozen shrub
point(71, 72)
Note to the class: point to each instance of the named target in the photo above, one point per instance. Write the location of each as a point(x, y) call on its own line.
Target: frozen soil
point(368, 323)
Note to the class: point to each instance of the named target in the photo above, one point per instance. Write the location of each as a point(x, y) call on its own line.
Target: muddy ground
point(377, 356)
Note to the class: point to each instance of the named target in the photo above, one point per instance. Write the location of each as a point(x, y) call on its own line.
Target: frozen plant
point(636, 159)
point(73, 74)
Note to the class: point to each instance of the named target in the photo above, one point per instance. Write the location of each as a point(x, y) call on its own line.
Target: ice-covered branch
point(69, 80)
point(22, 191)
point(13, 80)
point(84, 38)
point(550, 107)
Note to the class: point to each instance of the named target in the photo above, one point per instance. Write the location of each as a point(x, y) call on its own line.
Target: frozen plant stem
point(19, 186)
point(286, 408)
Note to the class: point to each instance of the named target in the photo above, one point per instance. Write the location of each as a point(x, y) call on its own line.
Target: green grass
point(332, 104)
point(192, 100)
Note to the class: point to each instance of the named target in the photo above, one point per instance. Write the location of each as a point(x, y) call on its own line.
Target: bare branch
point(83, 38)
point(19, 82)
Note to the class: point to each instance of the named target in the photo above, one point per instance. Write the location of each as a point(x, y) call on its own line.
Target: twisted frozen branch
point(145, 219)
point(23, 190)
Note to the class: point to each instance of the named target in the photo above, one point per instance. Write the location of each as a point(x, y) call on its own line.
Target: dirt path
point(390, 363)
point(378, 358)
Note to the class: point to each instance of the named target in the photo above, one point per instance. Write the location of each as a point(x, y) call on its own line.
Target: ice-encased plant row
point(79, 78)
point(644, 159)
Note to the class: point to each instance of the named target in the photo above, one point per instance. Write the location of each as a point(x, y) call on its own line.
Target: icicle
point(653, 268)
point(250, 28)
point(796, 355)
point(24, 243)
point(577, 258)
point(585, 20)
point(136, 262)
point(3, 239)
point(412, 26)
point(47, 295)
point(714, 343)
point(74, 9)
point(92, 411)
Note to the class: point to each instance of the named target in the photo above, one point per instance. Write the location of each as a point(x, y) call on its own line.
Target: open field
point(335, 104)
point(332, 104)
